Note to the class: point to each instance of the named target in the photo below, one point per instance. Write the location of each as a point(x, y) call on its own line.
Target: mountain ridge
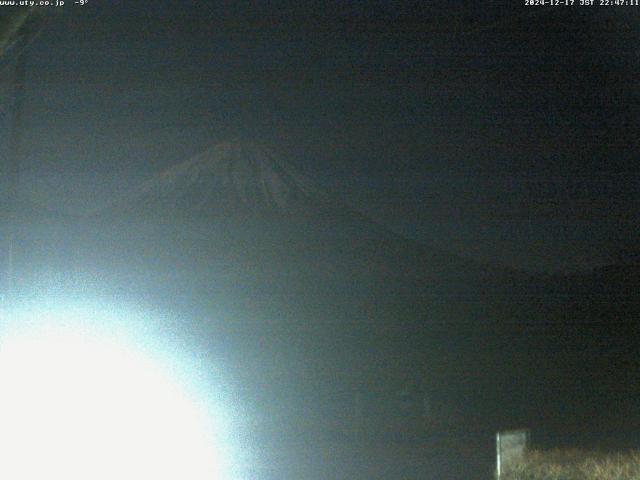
point(227, 178)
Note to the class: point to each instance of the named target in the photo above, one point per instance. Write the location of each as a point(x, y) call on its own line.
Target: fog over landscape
point(396, 228)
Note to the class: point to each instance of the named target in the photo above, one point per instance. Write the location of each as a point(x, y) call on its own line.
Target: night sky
point(495, 130)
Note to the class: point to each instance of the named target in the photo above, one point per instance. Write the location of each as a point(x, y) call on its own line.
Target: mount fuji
point(240, 201)
point(228, 179)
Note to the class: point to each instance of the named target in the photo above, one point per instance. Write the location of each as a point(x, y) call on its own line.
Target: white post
point(498, 459)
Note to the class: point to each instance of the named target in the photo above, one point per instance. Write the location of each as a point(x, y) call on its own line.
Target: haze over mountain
point(268, 262)
point(240, 200)
point(458, 134)
point(227, 179)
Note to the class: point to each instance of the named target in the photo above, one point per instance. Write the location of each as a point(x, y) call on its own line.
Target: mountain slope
point(239, 205)
point(226, 179)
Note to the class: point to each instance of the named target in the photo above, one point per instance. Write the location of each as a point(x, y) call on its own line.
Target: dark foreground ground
point(358, 458)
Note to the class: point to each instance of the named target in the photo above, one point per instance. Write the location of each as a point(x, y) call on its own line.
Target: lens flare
point(78, 402)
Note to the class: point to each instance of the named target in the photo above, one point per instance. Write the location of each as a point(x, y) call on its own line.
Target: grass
point(574, 464)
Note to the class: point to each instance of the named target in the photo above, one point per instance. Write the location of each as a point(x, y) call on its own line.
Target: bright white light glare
point(78, 404)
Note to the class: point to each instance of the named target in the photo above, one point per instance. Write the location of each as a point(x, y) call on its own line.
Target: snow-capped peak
point(228, 177)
